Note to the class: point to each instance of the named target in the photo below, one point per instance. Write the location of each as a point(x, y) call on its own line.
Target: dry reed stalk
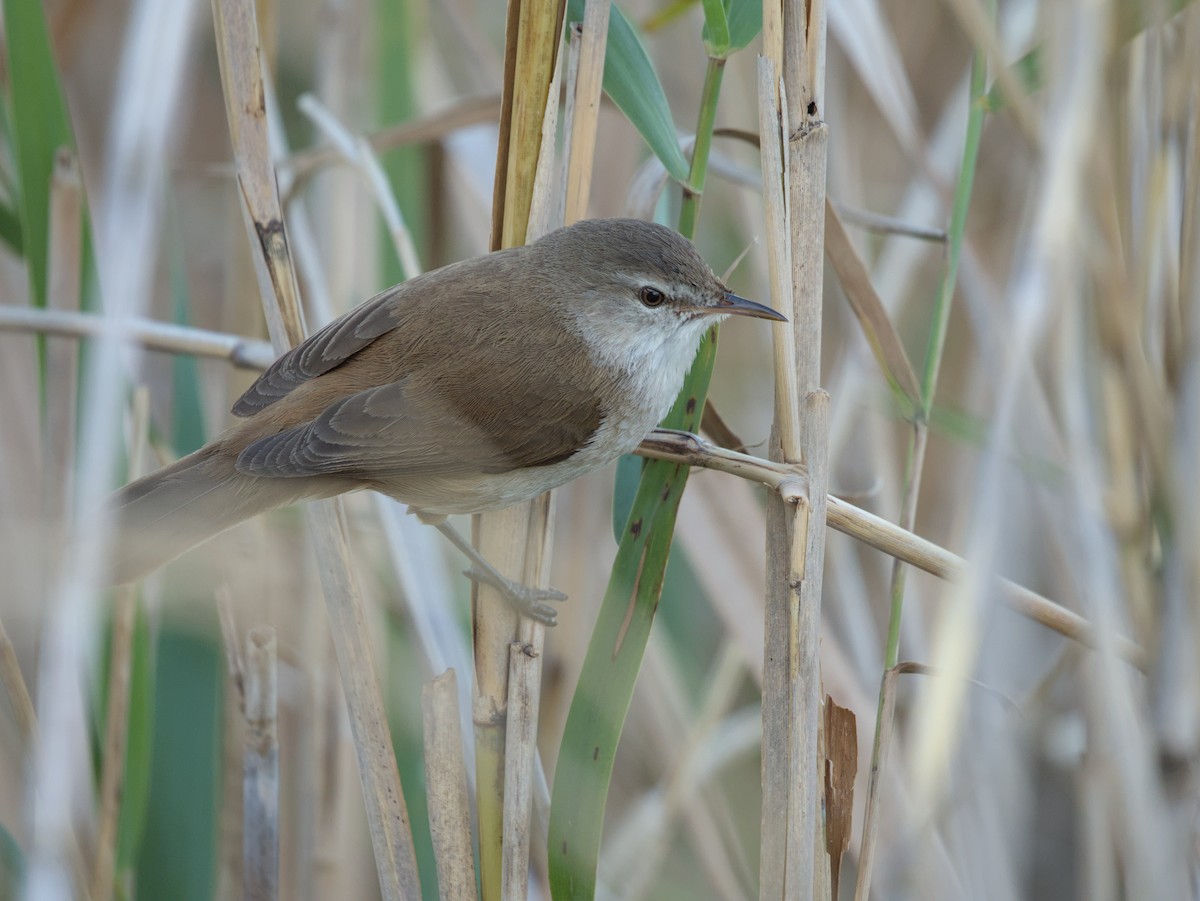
point(260, 768)
point(585, 98)
point(869, 310)
point(869, 220)
point(244, 353)
point(792, 827)
point(523, 773)
point(532, 35)
point(776, 670)
point(423, 588)
point(431, 127)
point(520, 750)
point(446, 788)
point(807, 863)
point(362, 157)
point(525, 654)
point(387, 815)
point(885, 536)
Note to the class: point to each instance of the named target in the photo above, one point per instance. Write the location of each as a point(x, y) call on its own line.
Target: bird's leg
point(527, 601)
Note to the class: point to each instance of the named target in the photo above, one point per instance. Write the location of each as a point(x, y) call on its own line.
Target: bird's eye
point(651, 297)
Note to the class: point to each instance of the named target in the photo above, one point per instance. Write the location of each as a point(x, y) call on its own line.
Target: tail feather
point(168, 512)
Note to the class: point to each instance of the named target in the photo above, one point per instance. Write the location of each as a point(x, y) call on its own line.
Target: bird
point(469, 388)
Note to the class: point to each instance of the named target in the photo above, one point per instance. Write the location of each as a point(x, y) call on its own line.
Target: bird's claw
point(527, 601)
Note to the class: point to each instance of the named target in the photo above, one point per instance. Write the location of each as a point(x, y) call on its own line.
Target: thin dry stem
point(887, 713)
point(789, 483)
point(423, 129)
point(244, 353)
point(358, 153)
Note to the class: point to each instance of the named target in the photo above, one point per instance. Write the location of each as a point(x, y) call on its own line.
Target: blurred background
point(1062, 450)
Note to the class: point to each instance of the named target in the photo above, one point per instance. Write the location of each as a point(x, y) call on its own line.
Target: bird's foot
point(527, 601)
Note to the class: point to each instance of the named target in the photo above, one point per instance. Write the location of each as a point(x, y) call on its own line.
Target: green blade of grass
point(633, 85)
point(187, 412)
point(738, 23)
point(10, 229)
point(618, 644)
point(12, 865)
point(745, 22)
point(407, 167)
point(40, 126)
point(1135, 16)
point(614, 657)
point(139, 745)
point(716, 28)
point(178, 854)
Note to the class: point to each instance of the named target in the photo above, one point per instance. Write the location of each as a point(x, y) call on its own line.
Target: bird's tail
point(170, 511)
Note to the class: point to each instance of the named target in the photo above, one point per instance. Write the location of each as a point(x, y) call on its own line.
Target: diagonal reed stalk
point(241, 70)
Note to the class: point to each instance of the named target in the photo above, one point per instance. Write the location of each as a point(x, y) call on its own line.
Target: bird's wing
point(417, 427)
point(320, 352)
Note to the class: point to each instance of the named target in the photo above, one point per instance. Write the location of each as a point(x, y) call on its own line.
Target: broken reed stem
point(446, 789)
point(585, 119)
point(524, 697)
point(260, 768)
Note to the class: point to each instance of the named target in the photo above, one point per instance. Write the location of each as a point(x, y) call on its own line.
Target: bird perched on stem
point(472, 387)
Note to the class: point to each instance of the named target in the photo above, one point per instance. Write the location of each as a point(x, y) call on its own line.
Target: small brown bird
point(469, 388)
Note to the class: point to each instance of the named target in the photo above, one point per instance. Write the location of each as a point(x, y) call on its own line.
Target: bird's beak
point(733, 305)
